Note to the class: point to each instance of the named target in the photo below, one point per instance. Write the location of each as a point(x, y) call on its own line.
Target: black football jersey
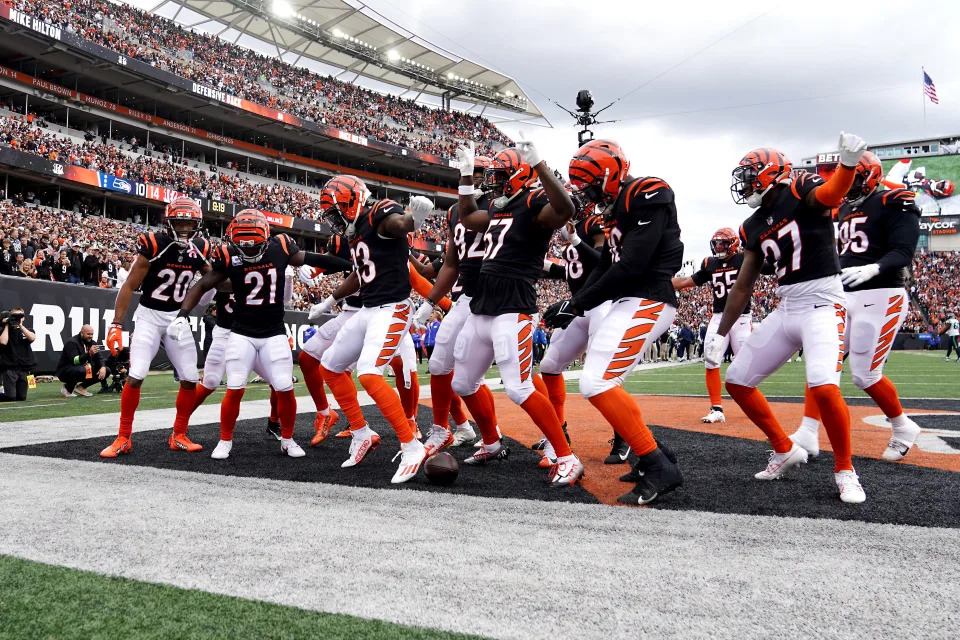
point(643, 250)
point(883, 229)
point(173, 267)
point(339, 247)
point(258, 286)
point(380, 261)
point(578, 263)
point(721, 274)
point(469, 246)
point(515, 245)
point(798, 238)
point(224, 302)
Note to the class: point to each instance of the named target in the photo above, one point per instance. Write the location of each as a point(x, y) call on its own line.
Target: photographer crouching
point(81, 364)
point(16, 355)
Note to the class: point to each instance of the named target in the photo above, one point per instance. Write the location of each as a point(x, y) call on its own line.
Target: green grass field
point(916, 374)
point(41, 601)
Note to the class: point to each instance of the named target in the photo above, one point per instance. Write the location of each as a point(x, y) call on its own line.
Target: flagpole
point(923, 97)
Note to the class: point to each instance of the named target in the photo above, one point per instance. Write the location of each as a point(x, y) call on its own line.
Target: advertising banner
point(56, 311)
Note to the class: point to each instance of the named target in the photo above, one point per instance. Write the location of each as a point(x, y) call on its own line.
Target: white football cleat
point(438, 438)
point(412, 454)
point(809, 442)
point(222, 452)
point(291, 448)
point(780, 463)
point(849, 485)
point(566, 473)
point(715, 415)
point(900, 444)
point(360, 446)
point(463, 434)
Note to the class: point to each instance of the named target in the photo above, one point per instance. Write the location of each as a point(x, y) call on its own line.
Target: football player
point(167, 263)
point(792, 226)
point(642, 253)
point(255, 263)
point(517, 226)
point(458, 276)
point(721, 271)
point(581, 254)
point(878, 236)
point(952, 331)
point(371, 338)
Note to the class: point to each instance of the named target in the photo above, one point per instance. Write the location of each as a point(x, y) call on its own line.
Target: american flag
point(929, 89)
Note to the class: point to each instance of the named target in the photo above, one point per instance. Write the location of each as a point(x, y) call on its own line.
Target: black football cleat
point(658, 476)
point(273, 428)
point(619, 452)
point(634, 474)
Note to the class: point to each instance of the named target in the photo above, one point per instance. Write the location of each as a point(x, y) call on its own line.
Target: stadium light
point(393, 55)
point(282, 9)
point(337, 33)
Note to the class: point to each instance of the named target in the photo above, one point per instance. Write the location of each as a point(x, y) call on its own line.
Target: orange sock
point(456, 407)
point(129, 401)
point(885, 395)
point(389, 404)
point(274, 415)
point(408, 391)
point(441, 396)
point(286, 411)
point(202, 393)
point(713, 387)
point(484, 412)
point(557, 392)
point(540, 410)
point(755, 405)
point(342, 387)
point(836, 421)
point(312, 377)
point(810, 408)
point(229, 410)
point(184, 404)
point(623, 414)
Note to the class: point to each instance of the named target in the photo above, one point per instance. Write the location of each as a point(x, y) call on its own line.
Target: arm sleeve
point(556, 272)
point(326, 262)
point(831, 192)
point(423, 286)
point(703, 275)
point(588, 255)
point(634, 259)
point(904, 232)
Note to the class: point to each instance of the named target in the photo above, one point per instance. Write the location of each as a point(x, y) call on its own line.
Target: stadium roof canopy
point(348, 35)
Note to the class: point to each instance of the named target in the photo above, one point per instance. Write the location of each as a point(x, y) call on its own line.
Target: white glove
point(528, 151)
point(851, 148)
point(289, 272)
point(420, 208)
point(424, 311)
point(309, 276)
point(465, 154)
point(856, 276)
point(318, 310)
point(178, 328)
point(569, 233)
point(713, 350)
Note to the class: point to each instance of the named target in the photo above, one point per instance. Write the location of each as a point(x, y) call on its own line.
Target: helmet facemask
point(720, 247)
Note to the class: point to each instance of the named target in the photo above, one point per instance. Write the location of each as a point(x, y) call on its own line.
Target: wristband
point(76, 359)
point(466, 190)
point(183, 313)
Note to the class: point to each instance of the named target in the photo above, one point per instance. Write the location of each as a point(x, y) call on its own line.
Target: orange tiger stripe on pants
point(634, 339)
point(888, 332)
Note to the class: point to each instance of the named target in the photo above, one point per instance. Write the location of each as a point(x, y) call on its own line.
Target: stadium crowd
point(238, 71)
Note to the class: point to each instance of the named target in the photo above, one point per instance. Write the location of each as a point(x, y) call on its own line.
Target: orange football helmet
point(508, 174)
point(942, 188)
point(725, 243)
point(758, 172)
point(598, 170)
point(182, 218)
point(341, 201)
point(868, 175)
point(249, 233)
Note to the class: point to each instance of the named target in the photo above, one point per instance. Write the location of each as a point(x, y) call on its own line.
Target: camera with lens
point(15, 318)
point(584, 100)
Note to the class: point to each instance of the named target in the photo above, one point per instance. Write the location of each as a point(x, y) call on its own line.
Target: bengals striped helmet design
point(248, 233)
point(757, 173)
point(183, 217)
point(598, 170)
point(508, 174)
point(725, 243)
point(868, 175)
point(341, 201)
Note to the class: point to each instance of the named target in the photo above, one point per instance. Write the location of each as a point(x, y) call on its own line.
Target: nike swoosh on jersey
point(641, 223)
point(869, 305)
point(649, 195)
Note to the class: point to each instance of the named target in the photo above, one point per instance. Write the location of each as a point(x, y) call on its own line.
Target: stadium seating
point(268, 81)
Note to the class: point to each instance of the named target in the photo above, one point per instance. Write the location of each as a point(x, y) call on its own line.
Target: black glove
point(560, 314)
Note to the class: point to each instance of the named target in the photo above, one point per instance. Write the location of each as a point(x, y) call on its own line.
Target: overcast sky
point(819, 67)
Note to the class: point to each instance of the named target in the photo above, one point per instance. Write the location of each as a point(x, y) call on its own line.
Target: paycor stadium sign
point(72, 40)
point(939, 225)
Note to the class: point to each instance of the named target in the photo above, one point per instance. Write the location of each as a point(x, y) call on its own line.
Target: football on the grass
point(441, 469)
